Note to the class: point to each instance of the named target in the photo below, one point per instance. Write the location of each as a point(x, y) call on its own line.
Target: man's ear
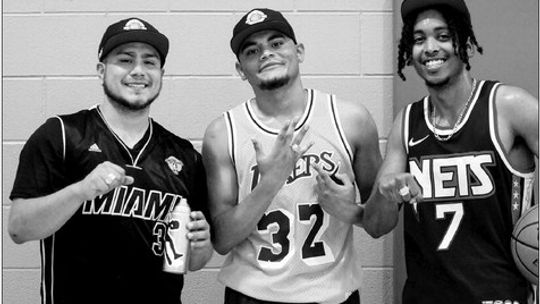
point(240, 71)
point(100, 68)
point(300, 52)
point(470, 48)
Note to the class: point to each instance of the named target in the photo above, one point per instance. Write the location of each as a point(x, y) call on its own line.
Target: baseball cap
point(133, 30)
point(256, 20)
point(411, 6)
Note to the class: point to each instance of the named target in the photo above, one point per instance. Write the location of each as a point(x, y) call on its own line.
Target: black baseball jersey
point(111, 249)
point(457, 241)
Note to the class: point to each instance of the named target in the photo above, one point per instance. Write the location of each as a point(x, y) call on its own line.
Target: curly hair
point(460, 29)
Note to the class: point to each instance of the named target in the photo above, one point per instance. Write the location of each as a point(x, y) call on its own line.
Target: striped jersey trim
point(337, 122)
point(46, 247)
point(522, 194)
point(309, 106)
point(405, 128)
point(63, 130)
point(448, 131)
point(230, 135)
point(136, 160)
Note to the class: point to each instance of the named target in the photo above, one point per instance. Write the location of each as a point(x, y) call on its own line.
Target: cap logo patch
point(174, 164)
point(255, 17)
point(134, 24)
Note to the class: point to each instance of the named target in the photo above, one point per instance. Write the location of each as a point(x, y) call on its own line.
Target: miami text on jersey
point(133, 202)
point(454, 177)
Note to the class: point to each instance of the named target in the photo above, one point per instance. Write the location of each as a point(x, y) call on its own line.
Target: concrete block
point(377, 50)
point(375, 93)
point(344, 5)
point(377, 286)
point(106, 6)
point(10, 161)
point(70, 95)
point(23, 107)
point(20, 286)
point(199, 44)
point(374, 252)
point(202, 287)
point(22, 6)
point(329, 51)
point(237, 6)
point(63, 45)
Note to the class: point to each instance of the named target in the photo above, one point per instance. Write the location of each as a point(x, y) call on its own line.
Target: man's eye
point(444, 37)
point(277, 44)
point(250, 52)
point(125, 60)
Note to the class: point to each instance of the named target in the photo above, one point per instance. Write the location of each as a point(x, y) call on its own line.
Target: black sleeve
point(40, 169)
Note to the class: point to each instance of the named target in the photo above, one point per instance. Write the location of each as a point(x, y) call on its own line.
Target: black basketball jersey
point(110, 250)
point(457, 241)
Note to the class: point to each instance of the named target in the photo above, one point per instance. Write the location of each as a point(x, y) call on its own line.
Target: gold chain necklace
point(458, 120)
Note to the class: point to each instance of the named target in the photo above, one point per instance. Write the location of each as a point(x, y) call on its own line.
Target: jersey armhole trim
point(405, 128)
point(494, 134)
point(63, 129)
point(230, 135)
point(339, 127)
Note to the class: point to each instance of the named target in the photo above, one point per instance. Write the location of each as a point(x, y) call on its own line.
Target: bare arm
point(381, 210)
point(40, 217)
point(234, 221)
point(517, 123)
point(361, 132)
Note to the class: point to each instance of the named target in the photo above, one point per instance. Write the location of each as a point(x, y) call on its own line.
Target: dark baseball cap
point(256, 20)
point(412, 6)
point(133, 30)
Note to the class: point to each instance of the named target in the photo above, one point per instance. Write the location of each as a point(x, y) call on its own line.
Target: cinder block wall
point(49, 59)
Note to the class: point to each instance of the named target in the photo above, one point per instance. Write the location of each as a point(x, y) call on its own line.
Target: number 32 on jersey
point(279, 226)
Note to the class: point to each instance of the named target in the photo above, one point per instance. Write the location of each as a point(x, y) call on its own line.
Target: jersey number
point(160, 231)
point(278, 223)
point(440, 212)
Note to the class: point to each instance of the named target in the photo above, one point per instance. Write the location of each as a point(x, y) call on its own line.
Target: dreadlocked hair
point(460, 29)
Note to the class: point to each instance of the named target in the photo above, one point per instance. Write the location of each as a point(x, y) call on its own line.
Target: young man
point(463, 159)
point(283, 195)
point(95, 186)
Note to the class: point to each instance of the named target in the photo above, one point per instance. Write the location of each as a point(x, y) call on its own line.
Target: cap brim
point(158, 41)
point(238, 40)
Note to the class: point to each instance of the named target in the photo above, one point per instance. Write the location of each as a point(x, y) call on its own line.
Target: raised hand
point(279, 163)
point(105, 177)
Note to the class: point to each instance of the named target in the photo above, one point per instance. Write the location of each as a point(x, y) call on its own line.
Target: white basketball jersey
point(298, 253)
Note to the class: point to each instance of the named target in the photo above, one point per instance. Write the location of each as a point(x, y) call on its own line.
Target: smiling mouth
point(137, 85)
point(434, 63)
point(269, 66)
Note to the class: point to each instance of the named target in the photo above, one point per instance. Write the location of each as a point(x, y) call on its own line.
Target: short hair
point(460, 30)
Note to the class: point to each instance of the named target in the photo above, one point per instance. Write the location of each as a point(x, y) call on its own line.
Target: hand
point(105, 177)
point(199, 231)
point(399, 188)
point(335, 194)
point(287, 149)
